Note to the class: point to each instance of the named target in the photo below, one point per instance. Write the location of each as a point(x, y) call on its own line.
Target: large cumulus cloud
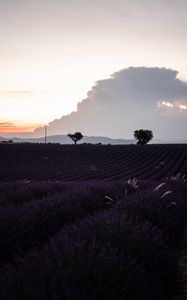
point(132, 98)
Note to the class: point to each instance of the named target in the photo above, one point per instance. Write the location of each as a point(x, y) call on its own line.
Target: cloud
point(15, 93)
point(7, 124)
point(132, 98)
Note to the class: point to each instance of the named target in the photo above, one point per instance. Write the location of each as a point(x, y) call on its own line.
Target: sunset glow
point(18, 126)
point(183, 107)
point(164, 103)
point(175, 105)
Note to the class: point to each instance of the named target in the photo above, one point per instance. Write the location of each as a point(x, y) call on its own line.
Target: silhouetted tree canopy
point(143, 136)
point(77, 136)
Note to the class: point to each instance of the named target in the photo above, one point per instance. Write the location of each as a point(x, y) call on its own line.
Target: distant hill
point(63, 139)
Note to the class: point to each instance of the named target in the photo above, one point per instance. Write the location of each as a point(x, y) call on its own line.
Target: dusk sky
point(53, 52)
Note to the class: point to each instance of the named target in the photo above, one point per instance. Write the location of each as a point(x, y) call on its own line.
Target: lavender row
point(129, 251)
point(66, 162)
point(27, 222)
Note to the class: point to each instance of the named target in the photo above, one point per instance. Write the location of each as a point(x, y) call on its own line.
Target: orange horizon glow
point(18, 128)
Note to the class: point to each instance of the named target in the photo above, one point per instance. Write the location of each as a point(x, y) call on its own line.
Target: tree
point(77, 136)
point(143, 136)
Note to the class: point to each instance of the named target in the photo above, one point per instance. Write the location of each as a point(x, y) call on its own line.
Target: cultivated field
point(91, 162)
point(90, 222)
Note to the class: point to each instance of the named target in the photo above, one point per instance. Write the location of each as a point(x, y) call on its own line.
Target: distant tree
point(77, 136)
point(7, 142)
point(143, 136)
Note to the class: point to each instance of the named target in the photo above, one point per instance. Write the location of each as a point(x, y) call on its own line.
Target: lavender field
point(90, 222)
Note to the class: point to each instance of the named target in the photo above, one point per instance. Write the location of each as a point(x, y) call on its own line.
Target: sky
point(53, 52)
